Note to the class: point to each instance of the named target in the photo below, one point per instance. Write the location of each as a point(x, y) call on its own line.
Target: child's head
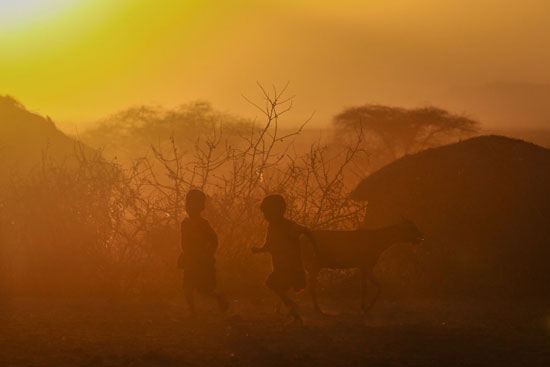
point(273, 207)
point(194, 202)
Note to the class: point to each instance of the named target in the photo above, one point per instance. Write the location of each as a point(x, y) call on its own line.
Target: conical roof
point(477, 161)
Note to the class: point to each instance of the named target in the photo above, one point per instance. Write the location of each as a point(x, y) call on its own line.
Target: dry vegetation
point(89, 246)
point(392, 132)
point(114, 227)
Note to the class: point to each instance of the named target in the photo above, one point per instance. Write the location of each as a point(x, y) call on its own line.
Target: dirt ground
point(395, 333)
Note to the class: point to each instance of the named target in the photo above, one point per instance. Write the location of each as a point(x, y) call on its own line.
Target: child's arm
point(213, 238)
point(182, 259)
point(183, 237)
point(307, 232)
point(264, 248)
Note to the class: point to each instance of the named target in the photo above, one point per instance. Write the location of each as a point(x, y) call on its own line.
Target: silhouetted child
point(282, 241)
point(199, 243)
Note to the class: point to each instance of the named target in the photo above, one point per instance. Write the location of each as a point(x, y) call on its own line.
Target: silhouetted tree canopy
point(400, 131)
point(131, 132)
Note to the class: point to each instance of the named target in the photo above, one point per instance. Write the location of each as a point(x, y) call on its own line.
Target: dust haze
point(251, 184)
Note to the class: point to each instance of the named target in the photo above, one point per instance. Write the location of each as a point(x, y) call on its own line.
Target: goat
point(353, 249)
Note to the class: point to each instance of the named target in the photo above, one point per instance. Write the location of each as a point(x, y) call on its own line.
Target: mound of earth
point(484, 206)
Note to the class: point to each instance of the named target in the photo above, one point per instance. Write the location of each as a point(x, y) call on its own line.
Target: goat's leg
point(312, 275)
point(376, 283)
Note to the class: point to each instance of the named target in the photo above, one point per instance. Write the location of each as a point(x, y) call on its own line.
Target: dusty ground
point(100, 333)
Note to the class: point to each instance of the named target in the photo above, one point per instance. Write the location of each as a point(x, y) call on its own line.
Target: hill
point(26, 138)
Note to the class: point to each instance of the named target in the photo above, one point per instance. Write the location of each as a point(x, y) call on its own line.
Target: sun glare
point(15, 13)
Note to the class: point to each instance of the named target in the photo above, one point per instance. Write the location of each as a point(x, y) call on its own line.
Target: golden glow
point(19, 13)
point(82, 59)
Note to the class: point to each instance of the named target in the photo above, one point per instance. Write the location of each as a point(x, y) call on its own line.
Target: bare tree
point(114, 226)
point(236, 175)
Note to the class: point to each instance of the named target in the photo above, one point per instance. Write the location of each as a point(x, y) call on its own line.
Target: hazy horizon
point(79, 63)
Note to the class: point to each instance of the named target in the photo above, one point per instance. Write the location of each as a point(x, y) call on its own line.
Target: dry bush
point(77, 229)
point(236, 177)
point(97, 227)
point(57, 220)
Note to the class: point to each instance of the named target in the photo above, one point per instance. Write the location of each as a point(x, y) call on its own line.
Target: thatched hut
point(484, 206)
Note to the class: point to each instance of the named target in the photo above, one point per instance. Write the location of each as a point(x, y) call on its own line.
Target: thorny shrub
point(95, 226)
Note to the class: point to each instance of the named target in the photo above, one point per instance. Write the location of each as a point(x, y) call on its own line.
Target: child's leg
point(207, 287)
point(277, 282)
point(220, 298)
point(291, 305)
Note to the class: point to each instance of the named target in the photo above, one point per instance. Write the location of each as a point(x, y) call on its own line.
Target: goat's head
point(410, 232)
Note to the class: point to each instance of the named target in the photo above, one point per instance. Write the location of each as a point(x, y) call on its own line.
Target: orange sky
point(78, 61)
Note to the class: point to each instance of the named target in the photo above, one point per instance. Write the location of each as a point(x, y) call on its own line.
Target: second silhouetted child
point(283, 242)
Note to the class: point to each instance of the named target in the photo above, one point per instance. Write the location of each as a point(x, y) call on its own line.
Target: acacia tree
point(396, 131)
point(130, 133)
